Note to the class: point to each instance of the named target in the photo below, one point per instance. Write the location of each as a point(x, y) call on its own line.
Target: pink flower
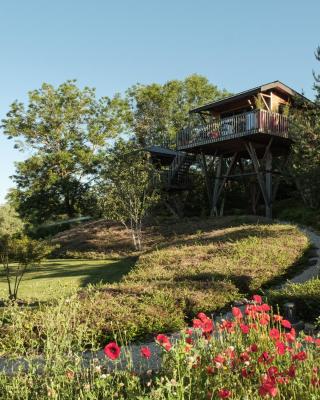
point(301, 356)
point(265, 307)
point(145, 352)
point(274, 333)
point(286, 324)
point(224, 394)
point(257, 299)
point(281, 348)
point(253, 348)
point(277, 317)
point(236, 312)
point(112, 350)
point(164, 341)
point(308, 339)
point(244, 328)
point(268, 388)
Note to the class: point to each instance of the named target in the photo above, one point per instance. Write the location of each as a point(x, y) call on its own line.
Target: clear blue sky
point(111, 45)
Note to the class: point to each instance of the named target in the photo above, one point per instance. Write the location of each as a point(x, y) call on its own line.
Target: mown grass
point(56, 278)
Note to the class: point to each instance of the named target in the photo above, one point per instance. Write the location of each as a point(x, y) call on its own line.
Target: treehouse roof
point(275, 86)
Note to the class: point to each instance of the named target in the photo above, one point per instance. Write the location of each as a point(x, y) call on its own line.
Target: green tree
point(305, 130)
point(10, 223)
point(160, 111)
point(66, 130)
point(17, 256)
point(126, 192)
point(317, 77)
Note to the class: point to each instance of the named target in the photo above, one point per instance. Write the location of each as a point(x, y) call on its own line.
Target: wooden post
point(269, 184)
point(217, 178)
point(206, 175)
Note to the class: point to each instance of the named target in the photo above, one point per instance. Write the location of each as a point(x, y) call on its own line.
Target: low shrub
point(256, 354)
point(306, 297)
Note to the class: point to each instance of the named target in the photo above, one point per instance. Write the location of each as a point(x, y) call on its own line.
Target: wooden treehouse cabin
point(241, 136)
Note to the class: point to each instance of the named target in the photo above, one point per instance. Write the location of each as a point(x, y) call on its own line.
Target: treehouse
point(244, 135)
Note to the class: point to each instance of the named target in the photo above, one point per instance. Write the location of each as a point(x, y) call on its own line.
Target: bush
point(306, 297)
point(255, 354)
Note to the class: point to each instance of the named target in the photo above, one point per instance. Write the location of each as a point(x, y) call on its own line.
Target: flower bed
point(255, 355)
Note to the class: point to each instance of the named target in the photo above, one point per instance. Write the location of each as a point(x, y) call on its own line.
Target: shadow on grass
point(88, 272)
point(243, 232)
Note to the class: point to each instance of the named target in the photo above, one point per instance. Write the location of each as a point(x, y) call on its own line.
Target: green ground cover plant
point(197, 266)
point(255, 354)
point(306, 297)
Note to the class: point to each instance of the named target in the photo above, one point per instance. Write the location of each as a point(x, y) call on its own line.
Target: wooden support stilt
point(265, 184)
point(269, 184)
point(214, 211)
point(206, 175)
point(220, 182)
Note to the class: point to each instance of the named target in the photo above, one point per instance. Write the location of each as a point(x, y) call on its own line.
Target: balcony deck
point(229, 134)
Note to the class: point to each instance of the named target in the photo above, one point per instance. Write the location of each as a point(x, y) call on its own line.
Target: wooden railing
point(239, 125)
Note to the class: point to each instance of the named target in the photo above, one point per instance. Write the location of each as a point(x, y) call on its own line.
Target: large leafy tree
point(160, 111)
point(305, 129)
point(66, 130)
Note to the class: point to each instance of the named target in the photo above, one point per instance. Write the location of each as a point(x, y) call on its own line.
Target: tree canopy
point(66, 129)
point(159, 112)
point(305, 129)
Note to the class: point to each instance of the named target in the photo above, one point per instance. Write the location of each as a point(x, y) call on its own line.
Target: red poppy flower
point(264, 320)
point(250, 310)
point(265, 358)
point(272, 371)
point(301, 356)
point(164, 341)
point(219, 359)
point(265, 307)
point(317, 342)
point(308, 339)
point(290, 336)
point(257, 299)
point(277, 317)
point(244, 328)
point(145, 352)
point(244, 357)
point(227, 325)
point(286, 324)
point(210, 370)
point(281, 348)
point(189, 340)
point(292, 371)
point(224, 394)
point(202, 316)
point(274, 333)
point(268, 388)
point(253, 348)
point(236, 312)
point(112, 350)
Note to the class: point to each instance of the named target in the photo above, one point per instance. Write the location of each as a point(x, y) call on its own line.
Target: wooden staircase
point(178, 173)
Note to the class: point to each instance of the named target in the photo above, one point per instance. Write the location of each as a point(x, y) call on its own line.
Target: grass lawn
point(196, 265)
point(55, 278)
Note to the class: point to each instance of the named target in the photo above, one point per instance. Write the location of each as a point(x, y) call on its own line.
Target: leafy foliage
point(306, 297)
point(126, 190)
point(160, 111)
point(305, 130)
point(17, 255)
point(10, 223)
point(66, 129)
